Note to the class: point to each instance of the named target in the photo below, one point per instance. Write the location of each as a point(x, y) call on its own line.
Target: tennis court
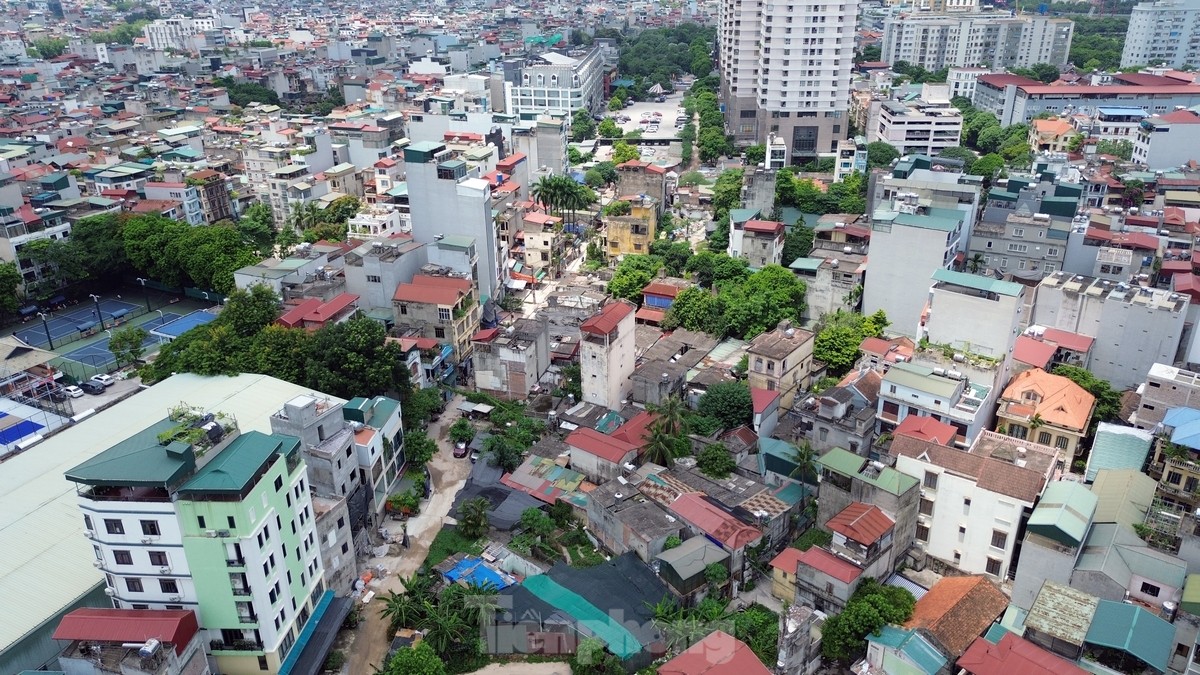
point(172, 329)
point(98, 355)
point(69, 325)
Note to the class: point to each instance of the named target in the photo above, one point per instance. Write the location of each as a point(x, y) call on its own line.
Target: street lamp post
point(99, 313)
point(47, 327)
point(146, 292)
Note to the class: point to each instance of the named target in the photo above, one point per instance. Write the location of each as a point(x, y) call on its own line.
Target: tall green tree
point(419, 660)
point(126, 344)
point(729, 403)
point(880, 154)
point(473, 517)
point(10, 281)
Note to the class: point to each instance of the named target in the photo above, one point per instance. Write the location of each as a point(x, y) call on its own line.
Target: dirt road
point(524, 669)
point(370, 643)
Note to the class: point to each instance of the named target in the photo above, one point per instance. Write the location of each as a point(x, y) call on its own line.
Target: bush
point(335, 660)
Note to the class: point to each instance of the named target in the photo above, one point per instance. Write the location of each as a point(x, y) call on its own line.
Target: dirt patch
point(524, 669)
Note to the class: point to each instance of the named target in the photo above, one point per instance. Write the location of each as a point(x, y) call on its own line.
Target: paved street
point(371, 640)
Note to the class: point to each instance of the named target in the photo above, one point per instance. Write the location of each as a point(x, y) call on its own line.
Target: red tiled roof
point(762, 399)
point(767, 226)
point(1130, 239)
point(651, 315)
point(485, 335)
point(660, 288)
point(176, 626)
point(787, 560)
point(721, 526)
point(1187, 283)
point(607, 320)
point(1032, 351)
point(1068, 340)
point(331, 309)
point(430, 290)
point(1014, 656)
point(295, 316)
point(636, 431)
point(957, 610)
point(829, 564)
point(719, 653)
point(605, 447)
point(863, 523)
point(926, 429)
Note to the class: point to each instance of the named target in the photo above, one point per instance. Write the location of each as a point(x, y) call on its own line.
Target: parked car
point(660, 99)
point(72, 391)
point(58, 395)
point(91, 387)
point(460, 449)
point(103, 380)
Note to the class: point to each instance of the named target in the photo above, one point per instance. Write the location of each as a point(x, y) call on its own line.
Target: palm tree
point(473, 517)
point(806, 464)
point(670, 414)
point(976, 263)
point(661, 447)
point(547, 191)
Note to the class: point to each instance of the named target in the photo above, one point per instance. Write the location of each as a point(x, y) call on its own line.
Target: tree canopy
point(872, 607)
point(729, 403)
point(836, 344)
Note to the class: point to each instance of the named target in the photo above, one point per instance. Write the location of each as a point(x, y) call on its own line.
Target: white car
point(652, 128)
point(103, 379)
point(72, 391)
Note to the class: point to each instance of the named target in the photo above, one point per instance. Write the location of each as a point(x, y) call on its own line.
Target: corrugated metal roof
point(41, 529)
point(1132, 629)
point(1062, 612)
point(1124, 496)
point(238, 463)
point(1118, 447)
point(1064, 512)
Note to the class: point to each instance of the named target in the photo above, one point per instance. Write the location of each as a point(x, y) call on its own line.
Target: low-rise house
point(658, 296)
point(718, 652)
point(947, 619)
point(682, 567)
point(945, 394)
point(1049, 409)
point(862, 537)
point(847, 478)
point(758, 242)
point(821, 578)
point(1117, 447)
point(445, 308)
point(102, 640)
point(974, 504)
point(781, 360)
point(622, 519)
point(599, 457)
point(1013, 654)
point(841, 416)
point(313, 314)
point(707, 518)
point(766, 410)
point(509, 362)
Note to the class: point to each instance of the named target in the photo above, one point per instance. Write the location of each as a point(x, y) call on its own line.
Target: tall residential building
point(1024, 228)
point(1165, 33)
point(190, 513)
point(554, 82)
point(446, 198)
point(997, 40)
point(926, 125)
point(785, 70)
point(606, 356)
point(908, 244)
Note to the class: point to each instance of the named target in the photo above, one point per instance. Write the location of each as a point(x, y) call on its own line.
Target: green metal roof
point(977, 282)
point(742, 215)
point(1191, 595)
point(929, 222)
point(457, 241)
point(806, 264)
point(847, 463)
point(138, 461)
point(920, 378)
point(1118, 447)
point(1064, 512)
point(1124, 495)
point(239, 462)
point(1133, 630)
point(913, 645)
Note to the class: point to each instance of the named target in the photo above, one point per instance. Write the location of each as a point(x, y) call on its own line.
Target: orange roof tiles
point(1014, 656)
point(430, 290)
point(605, 447)
point(863, 523)
point(926, 429)
point(719, 653)
point(695, 508)
point(1056, 399)
point(607, 320)
point(957, 610)
point(827, 563)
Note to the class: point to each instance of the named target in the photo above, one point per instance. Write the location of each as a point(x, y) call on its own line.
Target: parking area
point(641, 116)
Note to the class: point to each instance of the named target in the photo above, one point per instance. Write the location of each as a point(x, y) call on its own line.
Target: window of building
point(1150, 589)
point(123, 557)
point(133, 584)
point(87, 522)
point(931, 480)
point(262, 663)
point(926, 507)
point(278, 483)
point(168, 586)
point(966, 506)
point(957, 557)
point(158, 558)
point(200, 521)
point(439, 333)
point(443, 313)
point(993, 567)
point(150, 528)
point(999, 539)
point(923, 533)
point(1174, 477)
point(231, 521)
point(1044, 438)
point(403, 309)
point(1061, 442)
point(113, 526)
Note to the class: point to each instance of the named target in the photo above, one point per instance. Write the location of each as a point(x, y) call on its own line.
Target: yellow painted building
point(631, 234)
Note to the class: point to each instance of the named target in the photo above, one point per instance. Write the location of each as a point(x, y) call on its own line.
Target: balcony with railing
point(219, 647)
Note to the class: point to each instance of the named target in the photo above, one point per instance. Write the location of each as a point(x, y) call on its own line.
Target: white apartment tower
point(785, 69)
point(1165, 33)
